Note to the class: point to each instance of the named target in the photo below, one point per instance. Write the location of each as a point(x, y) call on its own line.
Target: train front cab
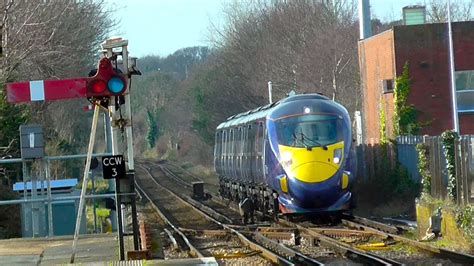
point(311, 148)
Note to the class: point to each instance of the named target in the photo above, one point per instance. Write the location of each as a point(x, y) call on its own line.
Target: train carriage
point(292, 156)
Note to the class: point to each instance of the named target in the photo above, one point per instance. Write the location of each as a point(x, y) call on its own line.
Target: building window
point(465, 91)
point(387, 85)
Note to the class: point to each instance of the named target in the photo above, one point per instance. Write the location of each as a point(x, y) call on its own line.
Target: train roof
point(262, 111)
point(298, 97)
point(247, 116)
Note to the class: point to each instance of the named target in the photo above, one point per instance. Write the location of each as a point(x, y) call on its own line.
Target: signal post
point(121, 123)
point(107, 89)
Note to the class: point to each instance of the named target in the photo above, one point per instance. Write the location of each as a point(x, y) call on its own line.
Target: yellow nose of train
point(313, 165)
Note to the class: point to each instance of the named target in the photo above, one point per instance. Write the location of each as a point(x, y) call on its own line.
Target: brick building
point(425, 48)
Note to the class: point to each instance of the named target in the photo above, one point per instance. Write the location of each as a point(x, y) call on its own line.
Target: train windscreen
point(309, 130)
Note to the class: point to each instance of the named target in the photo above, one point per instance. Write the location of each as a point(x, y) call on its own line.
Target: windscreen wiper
point(304, 137)
point(297, 140)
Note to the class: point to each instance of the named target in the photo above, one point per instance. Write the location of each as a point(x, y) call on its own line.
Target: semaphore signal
point(105, 83)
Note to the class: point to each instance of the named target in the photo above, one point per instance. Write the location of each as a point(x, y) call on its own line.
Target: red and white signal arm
point(46, 90)
point(106, 82)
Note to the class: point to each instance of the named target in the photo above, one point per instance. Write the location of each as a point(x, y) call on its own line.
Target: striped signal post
point(110, 46)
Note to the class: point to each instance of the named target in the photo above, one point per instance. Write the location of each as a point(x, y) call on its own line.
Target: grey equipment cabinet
point(31, 141)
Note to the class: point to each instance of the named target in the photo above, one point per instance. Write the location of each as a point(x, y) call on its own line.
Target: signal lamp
point(116, 85)
point(98, 86)
point(106, 82)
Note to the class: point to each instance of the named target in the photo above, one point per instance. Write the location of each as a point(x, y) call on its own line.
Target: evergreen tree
point(152, 129)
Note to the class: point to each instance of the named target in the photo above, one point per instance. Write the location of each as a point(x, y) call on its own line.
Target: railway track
point(366, 242)
point(194, 232)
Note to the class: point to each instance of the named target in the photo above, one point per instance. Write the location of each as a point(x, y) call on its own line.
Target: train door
point(238, 140)
point(224, 153)
point(217, 151)
point(241, 152)
point(245, 172)
point(228, 153)
point(251, 151)
point(231, 153)
point(259, 150)
point(265, 145)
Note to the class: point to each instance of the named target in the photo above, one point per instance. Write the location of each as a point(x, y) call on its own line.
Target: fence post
point(458, 168)
point(432, 160)
point(439, 189)
point(470, 168)
point(464, 151)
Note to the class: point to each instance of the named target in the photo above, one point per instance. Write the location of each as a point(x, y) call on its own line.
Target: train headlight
point(337, 156)
point(286, 158)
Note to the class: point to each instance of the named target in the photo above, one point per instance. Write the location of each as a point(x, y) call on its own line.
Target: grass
point(102, 215)
point(403, 248)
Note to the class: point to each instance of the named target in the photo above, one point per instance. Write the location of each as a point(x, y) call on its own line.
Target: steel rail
point(439, 252)
point(184, 170)
point(170, 174)
point(297, 257)
point(213, 213)
point(349, 251)
point(380, 229)
point(254, 246)
point(192, 249)
point(209, 211)
point(172, 238)
point(342, 248)
point(378, 225)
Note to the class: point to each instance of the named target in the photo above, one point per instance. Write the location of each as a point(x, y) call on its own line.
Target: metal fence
point(408, 157)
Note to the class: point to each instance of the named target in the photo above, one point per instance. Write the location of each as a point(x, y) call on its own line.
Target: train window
point(238, 142)
point(224, 142)
point(310, 130)
point(260, 131)
point(231, 142)
point(217, 145)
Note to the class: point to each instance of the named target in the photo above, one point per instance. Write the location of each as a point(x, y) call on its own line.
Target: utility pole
point(452, 73)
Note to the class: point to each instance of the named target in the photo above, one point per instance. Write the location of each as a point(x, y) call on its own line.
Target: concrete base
point(91, 250)
point(44, 251)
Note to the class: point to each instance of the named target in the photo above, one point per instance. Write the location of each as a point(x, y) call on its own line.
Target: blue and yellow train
point(291, 156)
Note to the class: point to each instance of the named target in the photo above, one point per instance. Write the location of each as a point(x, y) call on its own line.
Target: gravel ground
point(177, 212)
point(321, 254)
point(214, 246)
point(397, 251)
point(184, 216)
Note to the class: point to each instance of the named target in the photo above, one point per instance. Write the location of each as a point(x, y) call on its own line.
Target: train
point(293, 156)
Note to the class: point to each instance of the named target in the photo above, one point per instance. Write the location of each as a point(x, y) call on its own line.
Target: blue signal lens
point(116, 85)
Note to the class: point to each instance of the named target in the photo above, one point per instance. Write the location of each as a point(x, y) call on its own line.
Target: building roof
point(55, 184)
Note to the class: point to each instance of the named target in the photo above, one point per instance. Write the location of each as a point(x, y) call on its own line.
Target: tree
point(311, 42)
point(437, 10)
point(152, 129)
point(49, 40)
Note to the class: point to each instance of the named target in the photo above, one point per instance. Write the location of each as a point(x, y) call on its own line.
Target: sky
point(160, 27)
